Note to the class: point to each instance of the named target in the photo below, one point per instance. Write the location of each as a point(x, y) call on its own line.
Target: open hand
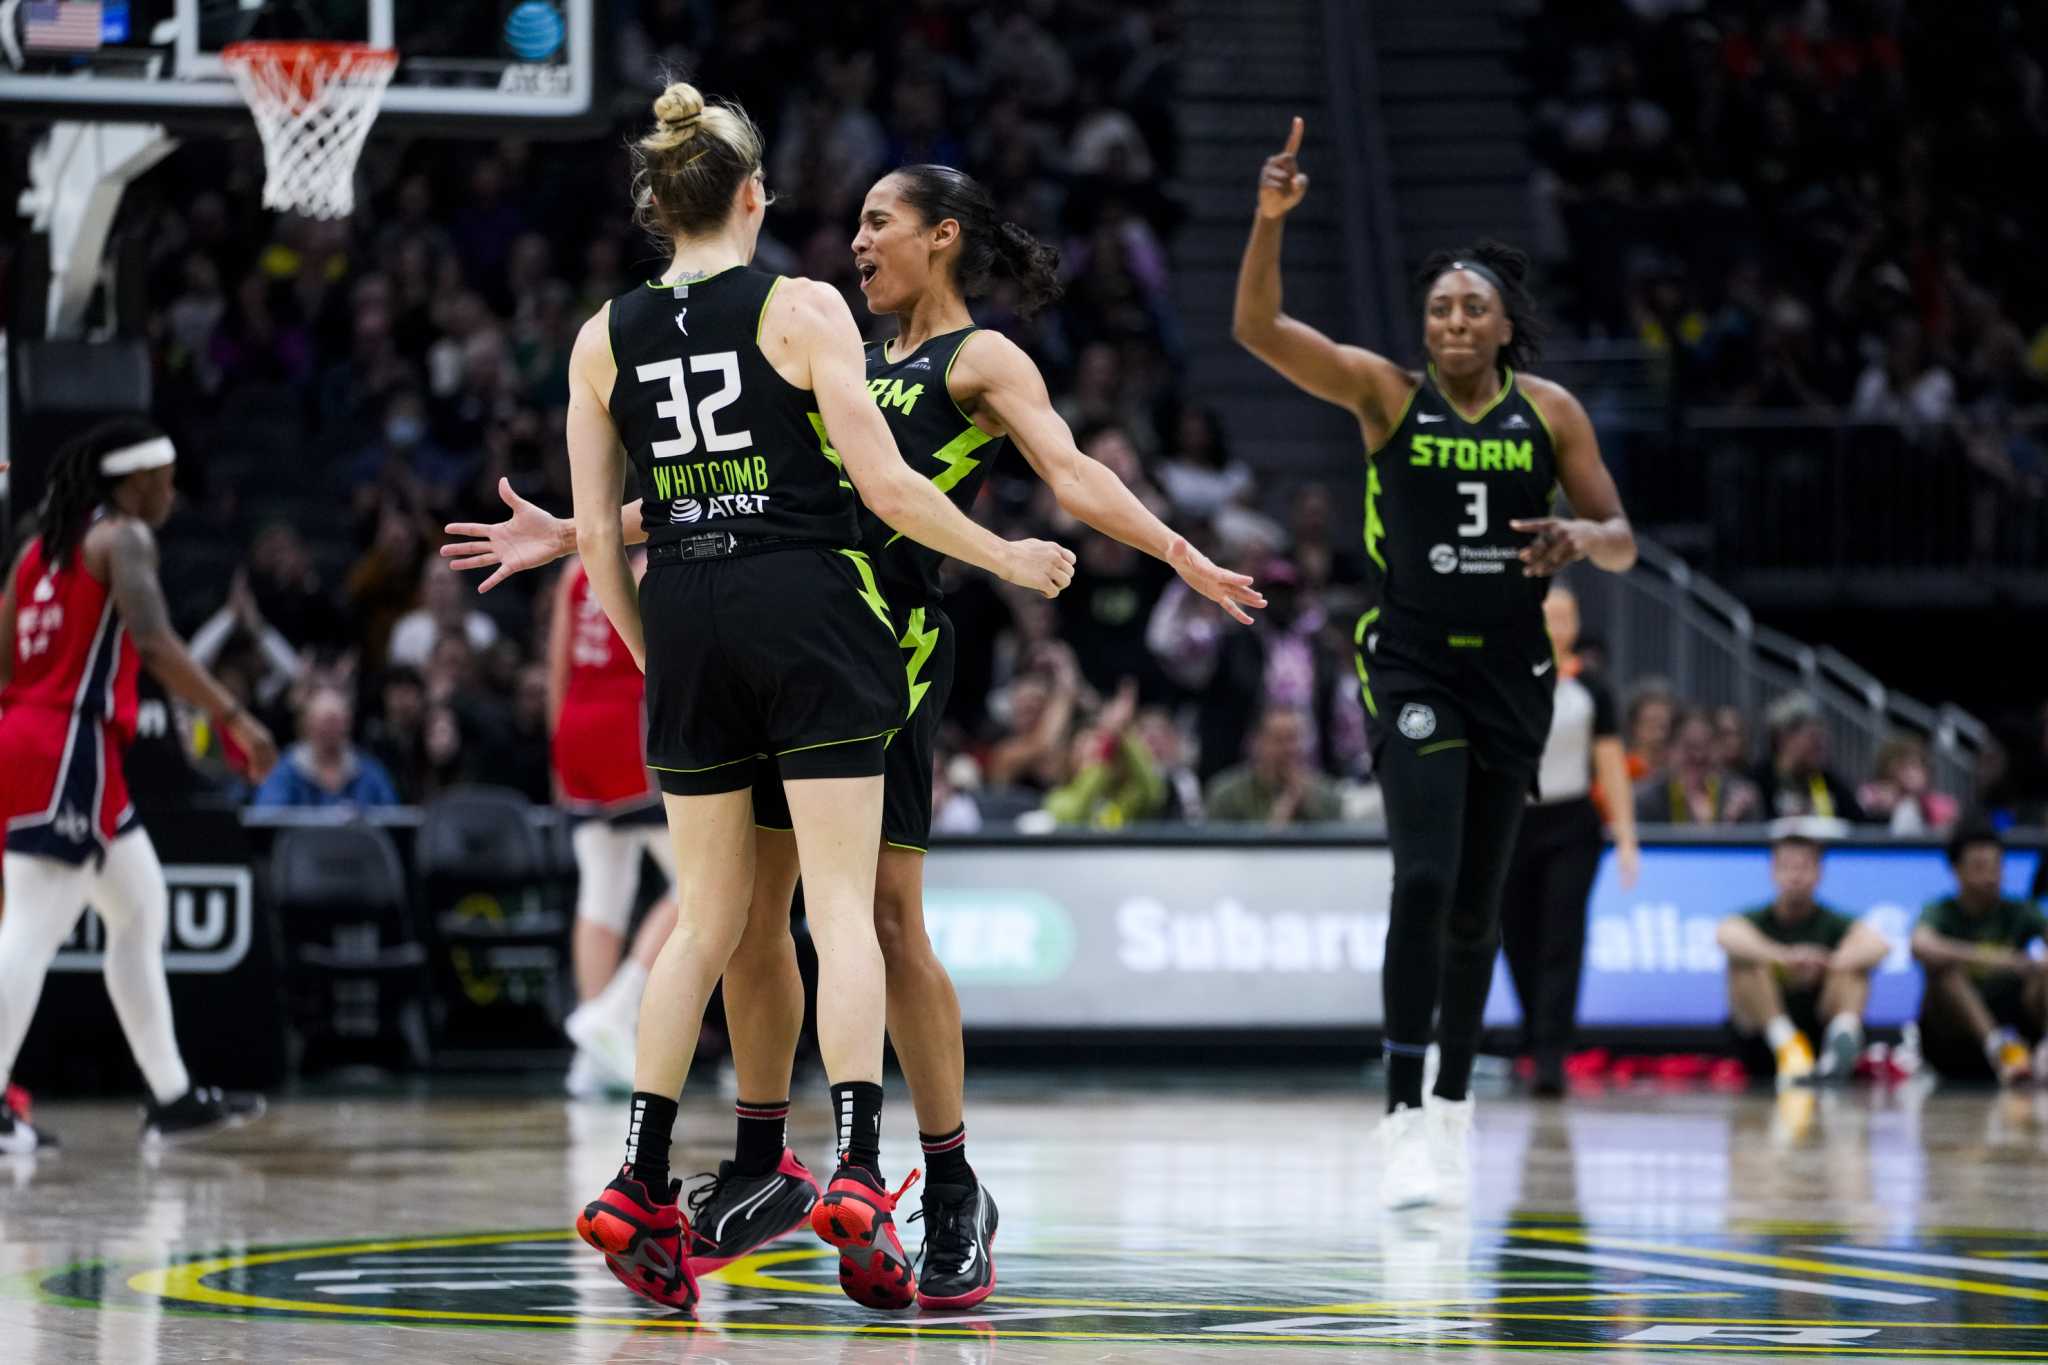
point(1231, 591)
point(528, 539)
point(1281, 183)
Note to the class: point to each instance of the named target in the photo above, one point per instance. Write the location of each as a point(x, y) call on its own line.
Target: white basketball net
point(314, 104)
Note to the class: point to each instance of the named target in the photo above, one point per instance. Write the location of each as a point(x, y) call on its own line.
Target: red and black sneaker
point(642, 1241)
point(736, 1213)
point(854, 1215)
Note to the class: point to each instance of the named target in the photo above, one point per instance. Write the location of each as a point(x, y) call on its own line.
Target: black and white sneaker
point(956, 1266)
point(736, 1213)
point(19, 1137)
point(199, 1111)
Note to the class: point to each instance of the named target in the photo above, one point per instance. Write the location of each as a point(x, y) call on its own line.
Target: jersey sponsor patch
point(1417, 720)
point(685, 510)
point(1443, 559)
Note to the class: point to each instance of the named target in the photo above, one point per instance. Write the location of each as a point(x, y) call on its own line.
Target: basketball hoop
point(314, 104)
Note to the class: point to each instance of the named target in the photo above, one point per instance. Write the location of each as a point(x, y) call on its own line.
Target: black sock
point(763, 1133)
point(1404, 1074)
point(945, 1158)
point(857, 1110)
point(648, 1133)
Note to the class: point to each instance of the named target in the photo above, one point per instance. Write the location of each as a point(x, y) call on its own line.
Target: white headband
point(152, 454)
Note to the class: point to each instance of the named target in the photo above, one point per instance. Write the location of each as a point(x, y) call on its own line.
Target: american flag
point(61, 25)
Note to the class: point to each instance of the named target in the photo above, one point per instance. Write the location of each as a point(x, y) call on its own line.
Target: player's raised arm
point(1369, 385)
point(823, 330)
point(528, 539)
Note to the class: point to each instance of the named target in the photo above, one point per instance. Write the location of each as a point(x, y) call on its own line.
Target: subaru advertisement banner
point(1107, 937)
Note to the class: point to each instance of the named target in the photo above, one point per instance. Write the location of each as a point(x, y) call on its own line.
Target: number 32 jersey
point(1440, 494)
point(720, 440)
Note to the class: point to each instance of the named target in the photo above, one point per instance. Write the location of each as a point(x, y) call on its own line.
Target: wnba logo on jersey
point(683, 511)
point(211, 923)
point(1417, 721)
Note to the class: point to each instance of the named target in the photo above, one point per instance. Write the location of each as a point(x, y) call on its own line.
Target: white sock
point(1995, 1041)
point(1779, 1032)
point(1847, 1024)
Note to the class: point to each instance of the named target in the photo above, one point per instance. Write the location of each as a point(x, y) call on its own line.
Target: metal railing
point(1665, 619)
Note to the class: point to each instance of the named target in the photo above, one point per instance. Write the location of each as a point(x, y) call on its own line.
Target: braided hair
point(77, 486)
point(1507, 269)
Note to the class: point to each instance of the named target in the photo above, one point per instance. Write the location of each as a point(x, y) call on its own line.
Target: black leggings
point(1543, 923)
point(1451, 823)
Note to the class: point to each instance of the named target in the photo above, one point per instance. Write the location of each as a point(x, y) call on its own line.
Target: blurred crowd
point(340, 391)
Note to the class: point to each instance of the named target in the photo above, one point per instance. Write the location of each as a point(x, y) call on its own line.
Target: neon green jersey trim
point(957, 455)
point(826, 449)
point(870, 593)
point(1358, 658)
point(829, 743)
point(920, 642)
point(1507, 387)
point(761, 322)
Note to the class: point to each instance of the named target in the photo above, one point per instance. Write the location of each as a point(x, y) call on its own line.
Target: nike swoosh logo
point(1430, 417)
point(1540, 669)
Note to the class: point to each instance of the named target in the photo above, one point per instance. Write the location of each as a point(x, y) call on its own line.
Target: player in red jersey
point(601, 778)
point(80, 614)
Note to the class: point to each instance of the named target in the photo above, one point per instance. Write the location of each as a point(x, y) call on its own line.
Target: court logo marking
point(1539, 1285)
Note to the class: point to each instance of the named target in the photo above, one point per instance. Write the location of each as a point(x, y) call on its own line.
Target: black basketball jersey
point(1439, 496)
point(720, 440)
point(939, 441)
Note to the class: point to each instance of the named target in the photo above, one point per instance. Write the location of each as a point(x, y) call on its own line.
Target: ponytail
point(989, 249)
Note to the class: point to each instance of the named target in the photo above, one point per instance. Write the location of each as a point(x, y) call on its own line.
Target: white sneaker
point(1407, 1170)
point(606, 1039)
point(1450, 1141)
point(585, 1081)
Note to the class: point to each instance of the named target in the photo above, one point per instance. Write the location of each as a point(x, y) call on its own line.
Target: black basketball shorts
point(926, 650)
point(1489, 690)
point(785, 655)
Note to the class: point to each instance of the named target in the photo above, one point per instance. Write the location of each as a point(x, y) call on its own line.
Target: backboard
point(525, 66)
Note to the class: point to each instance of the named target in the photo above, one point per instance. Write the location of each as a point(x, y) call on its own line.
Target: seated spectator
point(1652, 708)
point(1731, 739)
point(1278, 786)
point(1169, 750)
point(955, 778)
point(1798, 973)
point(396, 736)
point(1200, 478)
point(288, 591)
point(1797, 782)
point(1694, 789)
point(1901, 794)
point(324, 768)
point(1986, 997)
point(1041, 703)
point(1113, 782)
point(446, 608)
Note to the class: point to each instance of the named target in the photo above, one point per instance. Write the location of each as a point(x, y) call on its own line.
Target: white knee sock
point(44, 900)
point(130, 896)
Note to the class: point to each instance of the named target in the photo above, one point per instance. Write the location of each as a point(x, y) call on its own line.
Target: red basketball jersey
point(67, 714)
point(599, 750)
point(70, 652)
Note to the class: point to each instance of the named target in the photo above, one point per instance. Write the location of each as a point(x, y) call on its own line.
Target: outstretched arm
point(1368, 385)
point(993, 371)
point(139, 597)
point(528, 539)
point(7, 609)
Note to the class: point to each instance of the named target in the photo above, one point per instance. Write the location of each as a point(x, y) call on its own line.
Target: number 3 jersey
point(720, 440)
point(1440, 495)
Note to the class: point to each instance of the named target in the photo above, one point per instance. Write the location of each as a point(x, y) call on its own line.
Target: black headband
point(1483, 271)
